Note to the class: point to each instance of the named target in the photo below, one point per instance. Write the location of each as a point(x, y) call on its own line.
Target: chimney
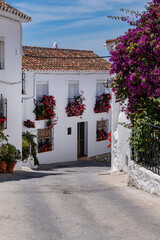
point(55, 45)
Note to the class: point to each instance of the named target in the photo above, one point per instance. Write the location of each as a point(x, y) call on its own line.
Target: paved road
point(81, 202)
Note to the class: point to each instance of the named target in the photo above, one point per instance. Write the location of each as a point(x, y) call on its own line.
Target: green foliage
point(3, 137)
point(9, 153)
point(29, 147)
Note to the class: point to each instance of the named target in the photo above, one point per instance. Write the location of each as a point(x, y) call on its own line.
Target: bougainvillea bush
point(75, 109)
point(136, 63)
point(103, 103)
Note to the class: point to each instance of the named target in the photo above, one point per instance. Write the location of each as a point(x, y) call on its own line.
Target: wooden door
point(81, 141)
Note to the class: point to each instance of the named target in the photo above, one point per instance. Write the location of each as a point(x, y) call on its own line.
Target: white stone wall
point(65, 146)
point(11, 31)
point(143, 179)
point(120, 139)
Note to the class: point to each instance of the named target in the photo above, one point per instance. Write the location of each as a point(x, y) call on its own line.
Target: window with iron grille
point(73, 90)
point(3, 112)
point(102, 130)
point(1, 54)
point(45, 140)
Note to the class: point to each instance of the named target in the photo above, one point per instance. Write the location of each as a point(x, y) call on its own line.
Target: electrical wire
point(10, 83)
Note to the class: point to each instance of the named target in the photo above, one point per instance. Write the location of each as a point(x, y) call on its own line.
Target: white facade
point(10, 75)
point(120, 148)
point(66, 146)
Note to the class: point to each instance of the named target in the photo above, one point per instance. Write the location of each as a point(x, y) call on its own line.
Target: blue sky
point(74, 24)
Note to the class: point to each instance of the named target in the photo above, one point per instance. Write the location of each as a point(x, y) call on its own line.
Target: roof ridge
point(59, 49)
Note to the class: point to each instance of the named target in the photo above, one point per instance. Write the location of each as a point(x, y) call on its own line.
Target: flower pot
point(49, 148)
point(10, 167)
point(3, 165)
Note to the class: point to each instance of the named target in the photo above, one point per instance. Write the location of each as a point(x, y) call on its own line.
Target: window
point(3, 112)
point(100, 88)
point(45, 140)
point(23, 83)
point(41, 89)
point(69, 131)
point(1, 54)
point(102, 130)
point(73, 90)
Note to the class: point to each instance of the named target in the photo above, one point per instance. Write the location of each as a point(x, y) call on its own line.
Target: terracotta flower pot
point(10, 167)
point(3, 165)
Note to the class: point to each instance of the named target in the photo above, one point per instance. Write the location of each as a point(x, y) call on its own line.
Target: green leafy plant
point(9, 153)
point(29, 147)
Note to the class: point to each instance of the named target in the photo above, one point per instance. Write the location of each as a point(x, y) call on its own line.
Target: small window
point(69, 131)
point(41, 89)
point(1, 54)
point(102, 130)
point(23, 83)
point(45, 140)
point(3, 112)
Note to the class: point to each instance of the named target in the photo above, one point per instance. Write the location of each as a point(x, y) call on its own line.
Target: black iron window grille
point(3, 112)
point(145, 144)
point(45, 140)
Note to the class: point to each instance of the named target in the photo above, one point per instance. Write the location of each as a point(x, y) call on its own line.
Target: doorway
point(82, 140)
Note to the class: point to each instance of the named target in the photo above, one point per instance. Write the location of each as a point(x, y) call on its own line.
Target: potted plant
point(101, 135)
point(102, 103)
point(45, 109)
point(29, 124)
point(2, 120)
point(10, 154)
point(3, 163)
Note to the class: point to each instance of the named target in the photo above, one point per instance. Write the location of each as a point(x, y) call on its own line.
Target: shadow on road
point(24, 175)
point(48, 167)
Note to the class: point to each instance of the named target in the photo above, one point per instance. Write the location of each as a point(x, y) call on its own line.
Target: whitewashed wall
point(11, 32)
point(120, 139)
point(65, 146)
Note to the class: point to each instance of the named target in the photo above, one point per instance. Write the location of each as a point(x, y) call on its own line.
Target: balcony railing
point(146, 146)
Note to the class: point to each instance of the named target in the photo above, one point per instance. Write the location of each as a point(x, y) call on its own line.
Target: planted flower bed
point(45, 148)
point(102, 135)
point(77, 107)
point(45, 109)
point(102, 103)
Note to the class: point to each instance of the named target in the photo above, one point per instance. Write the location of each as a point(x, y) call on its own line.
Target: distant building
point(63, 73)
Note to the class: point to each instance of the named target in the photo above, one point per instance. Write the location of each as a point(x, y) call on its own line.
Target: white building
point(10, 71)
point(63, 73)
point(120, 150)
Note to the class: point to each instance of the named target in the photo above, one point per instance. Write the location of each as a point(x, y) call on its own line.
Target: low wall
point(101, 158)
point(143, 179)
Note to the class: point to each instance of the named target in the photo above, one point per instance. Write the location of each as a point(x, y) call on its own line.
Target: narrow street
point(75, 202)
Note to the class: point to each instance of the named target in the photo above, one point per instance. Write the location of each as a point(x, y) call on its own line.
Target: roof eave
point(14, 15)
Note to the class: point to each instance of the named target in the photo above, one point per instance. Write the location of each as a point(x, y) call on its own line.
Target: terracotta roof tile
point(111, 40)
point(8, 8)
point(56, 59)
